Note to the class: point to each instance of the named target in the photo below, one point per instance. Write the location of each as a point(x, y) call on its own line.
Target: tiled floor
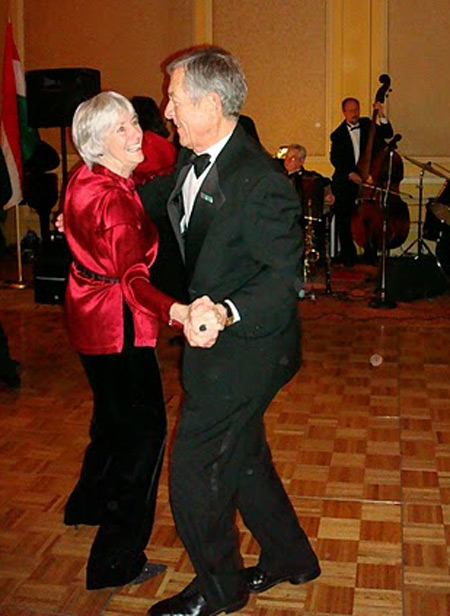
point(364, 453)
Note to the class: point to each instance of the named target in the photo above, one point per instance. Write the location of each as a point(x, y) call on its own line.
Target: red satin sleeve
point(128, 252)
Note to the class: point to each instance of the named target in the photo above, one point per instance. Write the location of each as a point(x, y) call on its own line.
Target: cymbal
point(426, 167)
point(443, 168)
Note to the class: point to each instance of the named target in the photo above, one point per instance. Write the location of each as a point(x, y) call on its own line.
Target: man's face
point(294, 160)
point(191, 118)
point(351, 112)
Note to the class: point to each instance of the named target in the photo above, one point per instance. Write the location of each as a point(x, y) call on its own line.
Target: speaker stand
point(19, 284)
point(63, 160)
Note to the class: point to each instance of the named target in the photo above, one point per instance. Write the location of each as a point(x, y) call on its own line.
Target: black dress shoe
point(259, 580)
point(99, 576)
point(189, 602)
point(149, 571)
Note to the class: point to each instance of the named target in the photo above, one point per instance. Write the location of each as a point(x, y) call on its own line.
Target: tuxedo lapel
point(207, 203)
point(209, 200)
point(175, 209)
point(347, 140)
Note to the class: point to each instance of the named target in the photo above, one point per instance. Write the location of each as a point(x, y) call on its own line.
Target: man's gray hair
point(92, 119)
point(300, 148)
point(212, 69)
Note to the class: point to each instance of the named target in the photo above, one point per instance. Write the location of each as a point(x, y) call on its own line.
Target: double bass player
point(348, 142)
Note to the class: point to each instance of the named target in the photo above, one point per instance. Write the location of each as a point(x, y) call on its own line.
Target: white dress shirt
point(192, 183)
point(355, 136)
point(189, 190)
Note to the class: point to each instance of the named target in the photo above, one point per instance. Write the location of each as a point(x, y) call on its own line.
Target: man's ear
point(214, 102)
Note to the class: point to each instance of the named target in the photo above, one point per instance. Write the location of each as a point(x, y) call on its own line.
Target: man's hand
point(204, 322)
point(354, 177)
point(59, 222)
point(380, 109)
point(328, 198)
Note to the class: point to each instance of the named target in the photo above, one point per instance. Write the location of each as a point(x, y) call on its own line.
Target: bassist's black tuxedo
point(343, 159)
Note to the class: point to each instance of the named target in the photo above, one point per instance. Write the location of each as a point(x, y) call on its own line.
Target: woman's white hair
point(91, 121)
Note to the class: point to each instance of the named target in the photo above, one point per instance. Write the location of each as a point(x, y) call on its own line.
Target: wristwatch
point(230, 315)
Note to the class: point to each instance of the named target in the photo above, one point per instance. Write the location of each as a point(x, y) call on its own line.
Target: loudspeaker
point(409, 278)
point(53, 94)
point(51, 270)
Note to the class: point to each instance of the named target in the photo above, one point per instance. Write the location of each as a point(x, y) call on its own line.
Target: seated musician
point(302, 178)
point(316, 197)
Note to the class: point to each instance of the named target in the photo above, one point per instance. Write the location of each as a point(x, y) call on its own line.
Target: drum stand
point(419, 240)
point(310, 256)
point(307, 265)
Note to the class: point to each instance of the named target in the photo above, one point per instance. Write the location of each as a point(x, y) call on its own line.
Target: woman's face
point(123, 141)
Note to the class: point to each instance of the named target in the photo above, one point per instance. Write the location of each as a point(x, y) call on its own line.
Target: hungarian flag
point(18, 141)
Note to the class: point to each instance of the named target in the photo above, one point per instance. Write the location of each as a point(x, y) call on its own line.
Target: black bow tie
point(353, 126)
point(200, 163)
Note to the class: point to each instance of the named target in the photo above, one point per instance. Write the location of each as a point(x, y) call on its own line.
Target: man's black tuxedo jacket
point(342, 156)
point(243, 243)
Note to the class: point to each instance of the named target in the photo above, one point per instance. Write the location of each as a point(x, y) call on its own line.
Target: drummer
point(294, 167)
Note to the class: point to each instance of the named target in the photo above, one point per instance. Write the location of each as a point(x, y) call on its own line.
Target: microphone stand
point(381, 301)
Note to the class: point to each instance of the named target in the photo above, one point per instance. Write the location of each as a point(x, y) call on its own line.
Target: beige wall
point(282, 46)
point(419, 56)
point(301, 58)
point(125, 40)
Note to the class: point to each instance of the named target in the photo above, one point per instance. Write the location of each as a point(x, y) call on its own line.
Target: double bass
point(381, 171)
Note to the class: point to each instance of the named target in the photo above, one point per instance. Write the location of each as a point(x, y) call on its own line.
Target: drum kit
point(437, 220)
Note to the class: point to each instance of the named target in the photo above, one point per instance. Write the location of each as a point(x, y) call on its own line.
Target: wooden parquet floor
point(364, 453)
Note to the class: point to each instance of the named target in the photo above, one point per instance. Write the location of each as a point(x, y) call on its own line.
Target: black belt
point(90, 274)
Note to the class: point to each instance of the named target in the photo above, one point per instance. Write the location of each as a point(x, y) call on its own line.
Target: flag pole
point(16, 141)
point(20, 283)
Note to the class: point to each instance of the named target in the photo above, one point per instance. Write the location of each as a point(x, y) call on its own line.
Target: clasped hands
point(202, 321)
